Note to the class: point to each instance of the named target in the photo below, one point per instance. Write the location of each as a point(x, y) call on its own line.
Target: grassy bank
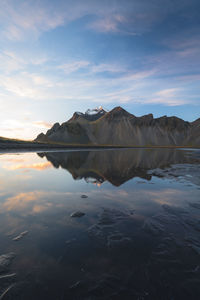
point(13, 144)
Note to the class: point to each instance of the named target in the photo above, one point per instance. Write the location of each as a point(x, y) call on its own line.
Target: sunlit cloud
point(35, 166)
point(42, 124)
point(23, 201)
point(19, 128)
point(40, 208)
point(14, 160)
point(34, 202)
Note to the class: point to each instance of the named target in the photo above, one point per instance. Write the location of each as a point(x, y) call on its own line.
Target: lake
point(103, 224)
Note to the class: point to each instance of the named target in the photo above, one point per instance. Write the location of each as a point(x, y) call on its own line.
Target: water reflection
point(138, 238)
point(117, 166)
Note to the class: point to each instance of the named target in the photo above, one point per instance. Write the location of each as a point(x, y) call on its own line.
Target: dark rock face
point(65, 133)
point(53, 129)
point(41, 138)
point(119, 127)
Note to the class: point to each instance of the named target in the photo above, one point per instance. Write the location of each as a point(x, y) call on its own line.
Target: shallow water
point(135, 233)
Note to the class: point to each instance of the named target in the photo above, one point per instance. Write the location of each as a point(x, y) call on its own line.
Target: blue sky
point(57, 57)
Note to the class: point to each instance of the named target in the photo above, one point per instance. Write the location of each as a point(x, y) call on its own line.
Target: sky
point(62, 56)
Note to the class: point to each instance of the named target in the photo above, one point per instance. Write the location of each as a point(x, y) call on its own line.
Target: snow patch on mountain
point(95, 111)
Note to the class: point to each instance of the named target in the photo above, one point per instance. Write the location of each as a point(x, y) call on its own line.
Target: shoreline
point(33, 147)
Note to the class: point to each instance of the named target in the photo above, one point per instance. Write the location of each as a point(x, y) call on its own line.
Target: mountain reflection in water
point(121, 237)
point(116, 166)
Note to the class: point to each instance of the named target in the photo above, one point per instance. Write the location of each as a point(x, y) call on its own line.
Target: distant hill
point(120, 128)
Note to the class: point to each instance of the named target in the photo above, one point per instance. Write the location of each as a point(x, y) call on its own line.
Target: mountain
point(120, 128)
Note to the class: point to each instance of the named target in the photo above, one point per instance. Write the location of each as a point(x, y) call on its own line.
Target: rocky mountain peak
point(118, 113)
point(76, 115)
point(53, 129)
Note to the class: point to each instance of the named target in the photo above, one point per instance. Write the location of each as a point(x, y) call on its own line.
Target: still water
point(135, 233)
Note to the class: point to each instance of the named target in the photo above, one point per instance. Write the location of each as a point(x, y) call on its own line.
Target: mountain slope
point(119, 127)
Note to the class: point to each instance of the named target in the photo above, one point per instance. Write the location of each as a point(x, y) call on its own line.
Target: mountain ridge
point(119, 127)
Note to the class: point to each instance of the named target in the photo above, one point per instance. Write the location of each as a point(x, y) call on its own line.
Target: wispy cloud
point(38, 17)
point(26, 84)
point(11, 61)
point(108, 67)
point(24, 18)
point(167, 93)
point(170, 97)
point(73, 66)
point(90, 67)
point(181, 56)
point(123, 85)
point(108, 23)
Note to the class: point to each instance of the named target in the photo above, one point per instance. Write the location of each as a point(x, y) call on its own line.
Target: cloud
point(170, 97)
point(183, 42)
point(167, 93)
point(123, 21)
point(9, 62)
point(105, 67)
point(122, 85)
point(29, 19)
point(73, 66)
point(35, 166)
point(108, 24)
point(34, 202)
point(139, 75)
point(181, 56)
point(14, 160)
point(23, 19)
point(26, 85)
point(90, 67)
point(23, 201)
point(42, 124)
point(189, 78)
point(12, 62)
point(21, 128)
point(54, 86)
